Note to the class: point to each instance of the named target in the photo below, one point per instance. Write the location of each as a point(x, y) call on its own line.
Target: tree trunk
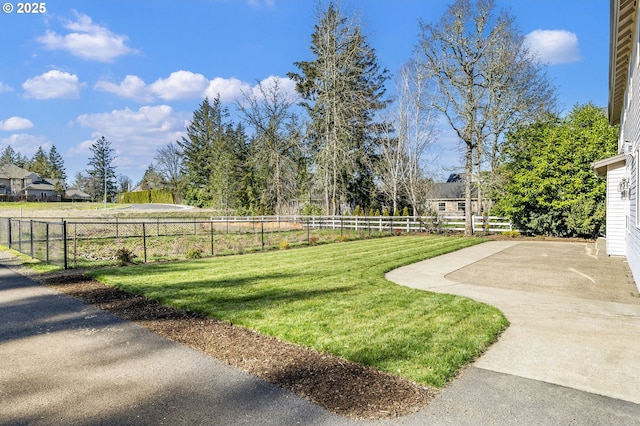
point(468, 212)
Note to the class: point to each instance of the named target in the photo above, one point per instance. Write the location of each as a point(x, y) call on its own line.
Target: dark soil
point(340, 386)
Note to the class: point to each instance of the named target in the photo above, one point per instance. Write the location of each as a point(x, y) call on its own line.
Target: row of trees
point(342, 144)
point(45, 164)
point(355, 148)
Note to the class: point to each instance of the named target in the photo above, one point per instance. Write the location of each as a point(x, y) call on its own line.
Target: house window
point(461, 206)
point(442, 207)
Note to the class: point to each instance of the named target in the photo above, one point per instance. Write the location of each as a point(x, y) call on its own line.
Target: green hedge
point(161, 196)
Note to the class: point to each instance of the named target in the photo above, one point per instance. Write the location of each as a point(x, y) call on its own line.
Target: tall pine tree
point(210, 158)
point(343, 87)
point(56, 165)
point(102, 182)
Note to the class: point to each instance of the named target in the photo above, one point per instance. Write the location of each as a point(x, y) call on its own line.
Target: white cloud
point(229, 89)
point(25, 143)
point(134, 135)
point(286, 86)
point(554, 46)
point(180, 85)
point(15, 123)
point(53, 84)
point(132, 87)
point(183, 84)
point(87, 40)
point(5, 87)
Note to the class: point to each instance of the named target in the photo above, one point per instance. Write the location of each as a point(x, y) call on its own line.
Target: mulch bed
point(340, 386)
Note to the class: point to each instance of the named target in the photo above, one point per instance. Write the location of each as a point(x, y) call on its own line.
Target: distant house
point(14, 179)
point(448, 199)
point(621, 171)
point(19, 183)
point(76, 195)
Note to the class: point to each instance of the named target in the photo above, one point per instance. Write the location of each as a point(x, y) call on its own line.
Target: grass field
point(333, 298)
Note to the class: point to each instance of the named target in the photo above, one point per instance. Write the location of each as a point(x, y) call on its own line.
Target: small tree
point(101, 170)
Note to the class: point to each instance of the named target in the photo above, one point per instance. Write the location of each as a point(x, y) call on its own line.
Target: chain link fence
point(87, 243)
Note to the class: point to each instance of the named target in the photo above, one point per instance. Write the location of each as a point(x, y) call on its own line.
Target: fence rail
point(81, 243)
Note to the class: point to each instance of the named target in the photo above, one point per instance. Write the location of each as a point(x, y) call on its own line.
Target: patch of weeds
point(512, 233)
point(124, 256)
point(194, 253)
point(284, 245)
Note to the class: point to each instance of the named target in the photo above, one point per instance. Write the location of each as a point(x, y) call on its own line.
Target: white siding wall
point(630, 131)
point(616, 212)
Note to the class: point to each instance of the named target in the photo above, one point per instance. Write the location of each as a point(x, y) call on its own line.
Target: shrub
point(512, 233)
point(194, 253)
point(124, 256)
point(284, 245)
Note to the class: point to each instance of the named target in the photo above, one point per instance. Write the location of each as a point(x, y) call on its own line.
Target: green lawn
point(333, 298)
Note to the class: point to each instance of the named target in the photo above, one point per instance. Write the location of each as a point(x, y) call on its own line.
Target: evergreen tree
point(56, 165)
point(9, 156)
point(39, 163)
point(551, 188)
point(151, 179)
point(102, 174)
point(210, 158)
point(342, 88)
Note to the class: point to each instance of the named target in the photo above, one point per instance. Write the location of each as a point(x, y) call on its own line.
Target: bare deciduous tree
point(169, 165)
point(467, 55)
point(275, 147)
point(406, 139)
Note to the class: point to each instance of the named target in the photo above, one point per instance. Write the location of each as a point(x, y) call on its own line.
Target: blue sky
point(135, 70)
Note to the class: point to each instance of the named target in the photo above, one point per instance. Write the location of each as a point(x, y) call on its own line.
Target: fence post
point(75, 244)
point(262, 231)
point(9, 227)
point(211, 231)
point(144, 242)
point(31, 238)
point(64, 244)
point(46, 243)
point(308, 233)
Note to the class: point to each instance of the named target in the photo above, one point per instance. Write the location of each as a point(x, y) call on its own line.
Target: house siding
point(630, 134)
point(616, 212)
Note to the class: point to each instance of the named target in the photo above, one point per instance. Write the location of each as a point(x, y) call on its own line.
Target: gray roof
point(11, 171)
point(40, 186)
point(449, 191)
point(76, 193)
